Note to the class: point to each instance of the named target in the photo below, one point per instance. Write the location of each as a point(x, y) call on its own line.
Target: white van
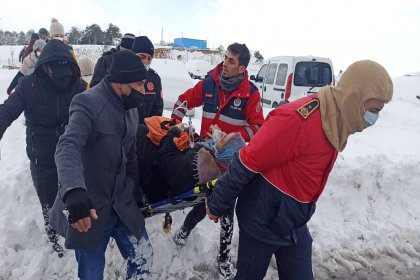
point(287, 78)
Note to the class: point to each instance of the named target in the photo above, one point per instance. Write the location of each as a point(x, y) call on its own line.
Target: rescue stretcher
point(179, 202)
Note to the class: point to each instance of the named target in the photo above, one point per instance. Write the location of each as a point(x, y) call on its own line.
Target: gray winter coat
point(96, 152)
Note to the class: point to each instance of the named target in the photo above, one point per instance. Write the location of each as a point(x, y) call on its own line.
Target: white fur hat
point(56, 28)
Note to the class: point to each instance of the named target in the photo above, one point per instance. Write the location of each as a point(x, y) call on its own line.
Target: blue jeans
point(293, 262)
point(138, 253)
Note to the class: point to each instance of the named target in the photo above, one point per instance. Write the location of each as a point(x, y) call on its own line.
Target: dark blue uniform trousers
point(293, 262)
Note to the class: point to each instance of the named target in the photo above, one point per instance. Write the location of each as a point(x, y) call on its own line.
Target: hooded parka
point(46, 109)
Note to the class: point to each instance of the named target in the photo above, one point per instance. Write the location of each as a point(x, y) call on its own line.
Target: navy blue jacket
point(152, 102)
point(263, 212)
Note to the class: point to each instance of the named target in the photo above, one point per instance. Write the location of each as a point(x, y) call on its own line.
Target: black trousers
point(293, 262)
point(45, 181)
point(198, 213)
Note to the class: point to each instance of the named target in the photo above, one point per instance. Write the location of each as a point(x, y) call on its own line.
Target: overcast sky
point(344, 30)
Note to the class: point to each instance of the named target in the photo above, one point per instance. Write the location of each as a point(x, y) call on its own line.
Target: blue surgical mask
point(370, 118)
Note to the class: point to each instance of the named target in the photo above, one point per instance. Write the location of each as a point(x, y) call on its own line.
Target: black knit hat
point(34, 36)
point(142, 44)
point(127, 41)
point(43, 31)
point(126, 67)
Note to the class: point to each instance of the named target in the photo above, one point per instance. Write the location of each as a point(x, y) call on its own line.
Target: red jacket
point(292, 153)
point(240, 112)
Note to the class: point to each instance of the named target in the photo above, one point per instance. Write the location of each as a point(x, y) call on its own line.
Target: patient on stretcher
point(169, 166)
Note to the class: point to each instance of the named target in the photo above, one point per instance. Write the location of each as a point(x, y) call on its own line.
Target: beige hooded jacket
point(342, 106)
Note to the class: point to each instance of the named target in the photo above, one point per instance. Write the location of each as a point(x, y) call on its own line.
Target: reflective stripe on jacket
point(238, 112)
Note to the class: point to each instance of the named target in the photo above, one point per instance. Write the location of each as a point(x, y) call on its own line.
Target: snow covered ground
point(366, 225)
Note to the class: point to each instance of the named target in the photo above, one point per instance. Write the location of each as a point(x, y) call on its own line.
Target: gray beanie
point(39, 44)
point(56, 28)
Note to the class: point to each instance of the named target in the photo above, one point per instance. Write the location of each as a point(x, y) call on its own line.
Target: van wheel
point(275, 104)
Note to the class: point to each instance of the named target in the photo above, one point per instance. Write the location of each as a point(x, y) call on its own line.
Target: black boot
point(226, 269)
point(180, 237)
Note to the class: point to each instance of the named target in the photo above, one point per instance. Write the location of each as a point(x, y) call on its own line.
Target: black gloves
point(174, 131)
point(78, 204)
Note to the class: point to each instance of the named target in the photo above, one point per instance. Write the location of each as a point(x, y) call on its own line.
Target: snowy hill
point(10, 55)
point(366, 225)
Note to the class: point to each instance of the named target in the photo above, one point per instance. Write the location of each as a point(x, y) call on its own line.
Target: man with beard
point(232, 103)
point(44, 96)
point(229, 99)
point(97, 171)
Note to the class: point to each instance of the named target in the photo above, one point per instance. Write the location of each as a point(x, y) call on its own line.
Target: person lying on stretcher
point(169, 166)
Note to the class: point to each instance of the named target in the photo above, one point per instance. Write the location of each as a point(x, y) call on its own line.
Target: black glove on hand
point(174, 131)
point(78, 204)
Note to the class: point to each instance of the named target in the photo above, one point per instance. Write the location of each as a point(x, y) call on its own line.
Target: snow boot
point(180, 237)
point(226, 269)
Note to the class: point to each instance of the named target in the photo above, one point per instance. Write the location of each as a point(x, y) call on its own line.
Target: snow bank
point(175, 79)
point(198, 68)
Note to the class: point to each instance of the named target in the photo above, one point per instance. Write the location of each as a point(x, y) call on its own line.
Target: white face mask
point(37, 53)
point(370, 118)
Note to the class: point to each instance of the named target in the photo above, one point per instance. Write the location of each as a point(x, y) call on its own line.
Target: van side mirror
point(252, 77)
point(259, 79)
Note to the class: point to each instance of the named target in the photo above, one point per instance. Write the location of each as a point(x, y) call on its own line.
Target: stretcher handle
point(205, 187)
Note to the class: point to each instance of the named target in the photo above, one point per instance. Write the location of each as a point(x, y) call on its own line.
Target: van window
point(312, 73)
point(281, 74)
point(269, 79)
point(261, 73)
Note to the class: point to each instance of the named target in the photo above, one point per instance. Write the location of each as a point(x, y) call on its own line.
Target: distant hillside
point(9, 55)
